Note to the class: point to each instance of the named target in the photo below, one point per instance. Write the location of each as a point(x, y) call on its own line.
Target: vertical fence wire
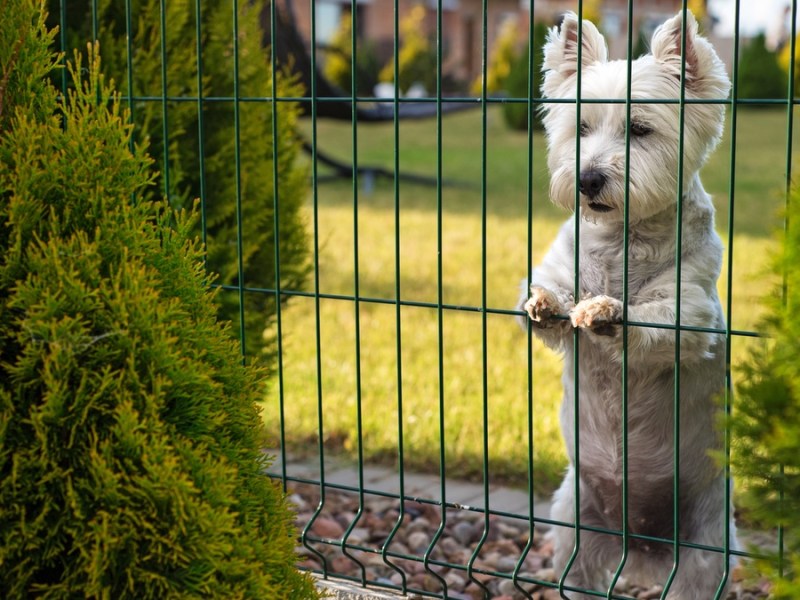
point(397, 280)
point(129, 69)
point(625, 297)
point(676, 411)
point(304, 534)
point(678, 301)
point(164, 91)
point(529, 111)
point(276, 230)
point(237, 151)
point(356, 293)
point(727, 399)
point(789, 136)
point(484, 332)
point(62, 37)
point(398, 308)
point(201, 122)
point(426, 558)
point(576, 339)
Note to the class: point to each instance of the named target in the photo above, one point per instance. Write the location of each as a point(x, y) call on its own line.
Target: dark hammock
point(292, 50)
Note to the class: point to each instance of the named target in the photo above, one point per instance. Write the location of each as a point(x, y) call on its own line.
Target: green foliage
point(222, 184)
point(760, 72)
point(699, 9)
point(765, 425)
point(642, 45)
point(416, 57)
point(785, 60)
point(592, 11)
point(129, 436)
point(339, 61)
point(504, 53)
point(516, 114)
point(24, 65)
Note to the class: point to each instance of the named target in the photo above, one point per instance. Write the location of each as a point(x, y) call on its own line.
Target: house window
point(328, 16)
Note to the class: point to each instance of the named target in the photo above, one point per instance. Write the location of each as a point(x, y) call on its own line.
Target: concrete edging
point(346, 590)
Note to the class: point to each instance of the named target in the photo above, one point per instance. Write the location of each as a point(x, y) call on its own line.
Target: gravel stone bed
point(503, 546)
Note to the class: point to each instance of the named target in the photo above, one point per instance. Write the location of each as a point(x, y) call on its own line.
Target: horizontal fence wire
point(471, 308)
point(439, 498)
point(467, 100)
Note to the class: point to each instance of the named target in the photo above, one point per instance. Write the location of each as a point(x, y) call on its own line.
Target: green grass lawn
point(484, 371)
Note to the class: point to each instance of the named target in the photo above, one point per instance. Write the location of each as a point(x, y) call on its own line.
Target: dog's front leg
point(602, 315)
point(548, 311)
point(547, 296)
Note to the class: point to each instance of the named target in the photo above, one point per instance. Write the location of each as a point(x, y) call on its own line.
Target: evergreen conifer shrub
point(760, 72)
point(157, 66)
point(339, 61)
point(765, 421)
point(129, 436)
point(416, 56)
point(504, 53)
point(516, 114)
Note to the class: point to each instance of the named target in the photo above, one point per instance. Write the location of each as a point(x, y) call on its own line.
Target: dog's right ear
point(561, 51)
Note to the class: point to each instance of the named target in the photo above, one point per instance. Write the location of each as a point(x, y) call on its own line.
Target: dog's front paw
point(542, 306)
point(600, 314)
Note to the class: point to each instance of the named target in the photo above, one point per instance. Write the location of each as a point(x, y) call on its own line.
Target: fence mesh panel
point(439, 503)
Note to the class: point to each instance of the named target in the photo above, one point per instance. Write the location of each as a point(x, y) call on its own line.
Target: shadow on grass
point(503, 168)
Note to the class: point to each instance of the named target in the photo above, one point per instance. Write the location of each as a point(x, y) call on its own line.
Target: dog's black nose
point(592, 182)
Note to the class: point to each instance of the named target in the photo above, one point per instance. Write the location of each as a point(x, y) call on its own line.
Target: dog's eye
point(584, 129)
point(639, 129)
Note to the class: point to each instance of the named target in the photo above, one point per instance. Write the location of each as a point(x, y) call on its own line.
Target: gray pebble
point(418, 541)
point(464, 532)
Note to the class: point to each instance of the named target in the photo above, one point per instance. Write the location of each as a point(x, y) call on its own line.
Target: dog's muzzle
point(591, 184)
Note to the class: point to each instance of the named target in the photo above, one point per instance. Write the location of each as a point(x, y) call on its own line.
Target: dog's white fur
point(651, 352)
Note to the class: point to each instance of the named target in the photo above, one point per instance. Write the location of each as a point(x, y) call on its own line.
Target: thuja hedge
point(226, 176)
point(515, 114)
point(765, 421)
point(129, 437)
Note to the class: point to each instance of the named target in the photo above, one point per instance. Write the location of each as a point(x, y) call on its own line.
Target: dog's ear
point(705, 73)
point(561, 51)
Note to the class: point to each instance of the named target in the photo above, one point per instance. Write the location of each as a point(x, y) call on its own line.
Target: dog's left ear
point(561, 51)
point(705, 72)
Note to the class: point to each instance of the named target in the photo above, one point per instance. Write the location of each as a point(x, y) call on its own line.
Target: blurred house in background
point(462, 23)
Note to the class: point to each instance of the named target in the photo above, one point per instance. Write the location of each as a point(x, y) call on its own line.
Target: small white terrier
point(651, 292)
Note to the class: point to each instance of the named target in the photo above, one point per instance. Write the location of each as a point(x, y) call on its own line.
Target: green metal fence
point(437, 504)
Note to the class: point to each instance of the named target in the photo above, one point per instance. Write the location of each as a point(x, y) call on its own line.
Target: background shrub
point(504, 53)
point(784, 59)
point(760, 73)
point(179, 170)
point(642, 45)
point(765, 425)
point(416, 56)
point(339, 61)
point(129, 436)
point(516, 114)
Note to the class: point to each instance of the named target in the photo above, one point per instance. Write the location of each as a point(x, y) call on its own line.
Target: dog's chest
point(603, 270)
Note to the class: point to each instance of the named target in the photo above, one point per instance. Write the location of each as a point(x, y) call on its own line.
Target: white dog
point(654, 130)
